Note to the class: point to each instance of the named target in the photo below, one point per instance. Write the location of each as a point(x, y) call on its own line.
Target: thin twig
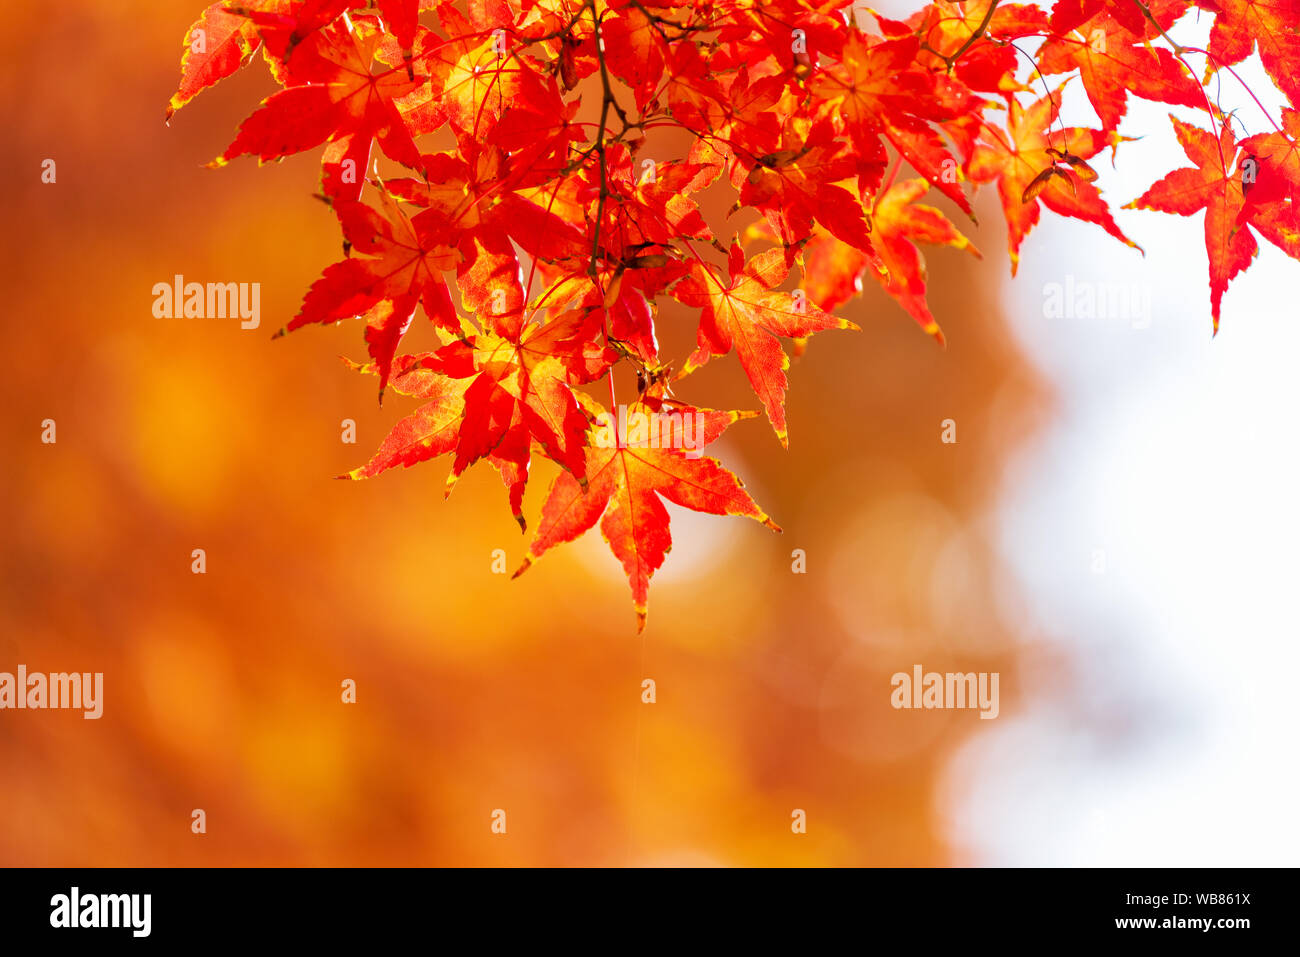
point(971, 40)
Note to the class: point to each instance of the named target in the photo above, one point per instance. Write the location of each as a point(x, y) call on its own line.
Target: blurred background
point(1145, 708)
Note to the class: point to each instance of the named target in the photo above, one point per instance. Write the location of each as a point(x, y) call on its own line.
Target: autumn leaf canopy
point(514, 174)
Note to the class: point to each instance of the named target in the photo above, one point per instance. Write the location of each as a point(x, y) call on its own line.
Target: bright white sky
point(1160, 725)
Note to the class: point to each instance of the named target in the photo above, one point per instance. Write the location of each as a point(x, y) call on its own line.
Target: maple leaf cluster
point(521, 216)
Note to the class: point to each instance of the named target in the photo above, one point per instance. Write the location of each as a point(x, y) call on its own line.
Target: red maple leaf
point(747, 314)
point(216, 45)
point(400, 263)
point(1212, 184)
point(520, 393)
point(629, 469)
point(877, 91)
point(900, 223)
point(337, 88)
point(1112, 62)
point(1029, 164)
point(1271, 25)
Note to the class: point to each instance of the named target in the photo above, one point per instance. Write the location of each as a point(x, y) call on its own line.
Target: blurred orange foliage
point(474, 692)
